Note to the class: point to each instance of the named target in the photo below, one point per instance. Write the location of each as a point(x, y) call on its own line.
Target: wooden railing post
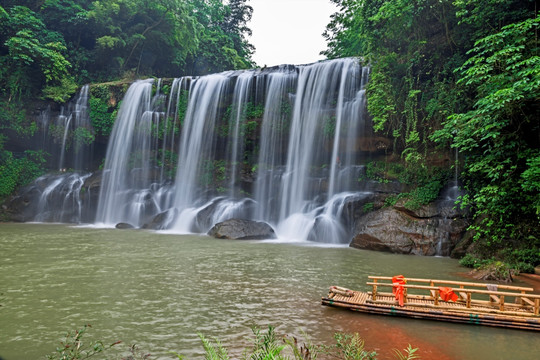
point(468, 300)
point(501, 307)
point(374, 292)
point(436, 300)
point(536, 306)
point(405, 295)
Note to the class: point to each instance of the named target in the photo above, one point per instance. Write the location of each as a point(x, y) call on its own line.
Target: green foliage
point(183, 102)
point(523, 260)
point(102, 113)
point(351, 347)
point(168, 159)
point(49, 46)
point(368, 207)
point(254, 111)
point(329, 126)
point(496, 136)
point(62, 92)
point(383, 171)
point(423, 195)
point(222, 34)
point(213, 172)
point(519, 260)
point(213, 352)
point(265, 346)
point(32, 56)
point(472, 261)
point(82, 136)
point(13, 117)
point(19, 171)
point(426, 182)
point(73, 348)
point(409, 354)
point(463, 73)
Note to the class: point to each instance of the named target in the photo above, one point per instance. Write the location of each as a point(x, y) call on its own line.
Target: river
point(159, 290)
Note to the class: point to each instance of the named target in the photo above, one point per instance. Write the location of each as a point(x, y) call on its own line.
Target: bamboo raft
point(504, 306)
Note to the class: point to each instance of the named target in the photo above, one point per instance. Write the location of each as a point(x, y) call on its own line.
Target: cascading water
point(60, 199)
point(125, 194)
point(197, 146)
point(304, 157)
point(324, 112)
point(274, 129)
point(76, 123)
point(235, 146)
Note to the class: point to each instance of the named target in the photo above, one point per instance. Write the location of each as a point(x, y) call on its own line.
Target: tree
point(500, 136)
point(222, 42)
point(33, 57)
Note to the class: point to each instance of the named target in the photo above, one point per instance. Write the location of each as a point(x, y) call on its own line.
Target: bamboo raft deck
point(475, 303)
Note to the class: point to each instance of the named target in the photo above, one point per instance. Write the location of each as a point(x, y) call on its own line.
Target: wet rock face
point(162, 220)
point(239, 229)
point(66, 197)
point(427, 231)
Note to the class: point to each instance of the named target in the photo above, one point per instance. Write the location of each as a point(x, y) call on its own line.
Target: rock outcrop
point(434, 229)
point(240, 229)
point(59, 197)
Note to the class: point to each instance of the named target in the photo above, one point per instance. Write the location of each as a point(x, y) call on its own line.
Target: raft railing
point(525, 304)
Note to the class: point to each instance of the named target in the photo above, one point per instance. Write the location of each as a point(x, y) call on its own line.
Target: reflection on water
point(159, 290)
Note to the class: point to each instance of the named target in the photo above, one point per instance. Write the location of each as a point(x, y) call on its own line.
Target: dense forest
point(49, 48)
point(461, 75)
point(465, 74)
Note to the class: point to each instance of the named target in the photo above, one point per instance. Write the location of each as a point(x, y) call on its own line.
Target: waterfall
point(76, 125)
point(60, 198)
point(177, 93)
point(197, 146)
point(305, 160)
point(273, 142)
point(124, 194)
point(238, 117)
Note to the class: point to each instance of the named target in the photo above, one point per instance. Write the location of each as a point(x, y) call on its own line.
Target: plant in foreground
point(410, 353)
point(266, 346)
point(73, 348)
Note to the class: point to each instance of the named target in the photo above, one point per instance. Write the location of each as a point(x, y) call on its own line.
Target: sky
point(289, 31)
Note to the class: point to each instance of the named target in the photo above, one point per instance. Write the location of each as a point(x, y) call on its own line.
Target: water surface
point(159, 290)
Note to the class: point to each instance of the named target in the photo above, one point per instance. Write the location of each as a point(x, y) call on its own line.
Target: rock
point(424, 212)
point(205, 217)
point(240, 229)
point(162, 220)
point(124, 226)
point(464, 246)
point(420, 232)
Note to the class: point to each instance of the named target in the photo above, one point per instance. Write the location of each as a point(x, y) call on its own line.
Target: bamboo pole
point(453, 282)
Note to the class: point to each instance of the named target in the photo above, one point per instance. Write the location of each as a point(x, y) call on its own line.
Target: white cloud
point(289, 31)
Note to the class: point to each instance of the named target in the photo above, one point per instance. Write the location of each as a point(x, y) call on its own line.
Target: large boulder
point(425, 231)
point(124, 226)
point(240, 229)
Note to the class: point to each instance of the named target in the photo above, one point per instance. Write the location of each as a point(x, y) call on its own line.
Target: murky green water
point(159, 290)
